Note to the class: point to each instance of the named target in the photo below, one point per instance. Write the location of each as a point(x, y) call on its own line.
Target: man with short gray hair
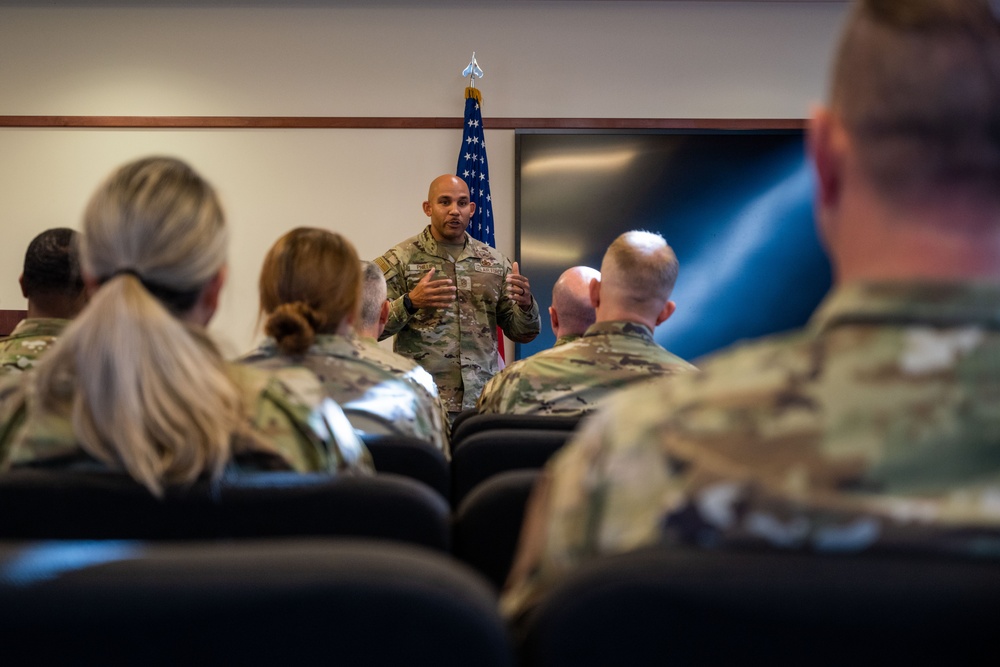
point(373, 316)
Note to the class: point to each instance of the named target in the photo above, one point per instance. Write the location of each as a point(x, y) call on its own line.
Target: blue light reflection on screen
point(735, 206)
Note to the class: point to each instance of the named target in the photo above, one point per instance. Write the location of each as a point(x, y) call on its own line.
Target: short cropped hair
point(917, 84)
point(641, 268)
point(52, 264)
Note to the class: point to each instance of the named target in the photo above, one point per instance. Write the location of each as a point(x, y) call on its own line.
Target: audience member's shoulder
point(747, 367)
point(12, 401)
point(291, 389)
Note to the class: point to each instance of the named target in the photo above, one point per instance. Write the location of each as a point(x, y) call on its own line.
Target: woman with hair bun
point(135, 383)
point(310, 293)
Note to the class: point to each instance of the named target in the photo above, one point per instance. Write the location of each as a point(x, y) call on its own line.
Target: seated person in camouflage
point(878, 425)
point(52, 285)
point(371, 321)
point(449, 292)
point(572, 311)
point(631, 298)
point(135, 384)
point(310, 291)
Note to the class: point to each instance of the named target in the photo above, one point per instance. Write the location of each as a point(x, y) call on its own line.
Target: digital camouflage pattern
point(877, 427)
point(574, 378)
point(567, 338)
point(457, 345)
point(412, 373)
point(30, 339)
point(374, 399)
point(292, 426)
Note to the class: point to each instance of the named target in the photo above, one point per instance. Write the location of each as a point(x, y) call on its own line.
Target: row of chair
point(405, 502)
point(92, 505)
point(481, 446)
point(379, 604)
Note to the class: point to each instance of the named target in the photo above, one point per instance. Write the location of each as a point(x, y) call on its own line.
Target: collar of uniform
point(324, 344)
point(620, 329)
point(429, 244)
point(39, 326)
point(568, 338)
point(942, 304)
point(333, 345)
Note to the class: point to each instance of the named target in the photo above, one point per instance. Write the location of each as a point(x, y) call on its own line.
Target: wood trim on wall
point(415, 123)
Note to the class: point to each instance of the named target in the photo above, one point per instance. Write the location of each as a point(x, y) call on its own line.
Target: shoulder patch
point(387, 263)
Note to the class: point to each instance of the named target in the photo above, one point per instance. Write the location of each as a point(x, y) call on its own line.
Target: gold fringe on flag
point(473, 93)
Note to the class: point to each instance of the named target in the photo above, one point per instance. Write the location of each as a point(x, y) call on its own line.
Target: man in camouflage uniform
point(449, 292)
point(371, 322)
point(631, 298)
point(878, 426)
point(52, 285)
point(572, 311)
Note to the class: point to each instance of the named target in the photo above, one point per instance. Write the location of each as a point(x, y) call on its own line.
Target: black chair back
point(487, 453)
point(274, 602)
point(70, 504)
point(487, 524)
point(410, 457)
point(467, 424)
point(673, 606)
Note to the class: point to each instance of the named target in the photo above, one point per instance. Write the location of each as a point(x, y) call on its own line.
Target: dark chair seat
point(487, 453)
point(71, 504)
point(403, 455)
point(487, 524)
point(275, 602)
point(468, 423)
point(673, 606)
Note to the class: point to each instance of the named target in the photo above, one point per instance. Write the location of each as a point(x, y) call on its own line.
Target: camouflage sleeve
point(12, 413)
point(492, 399)
point(521, 326)
point(603, 495)
point(309, 430)
point(396, 287)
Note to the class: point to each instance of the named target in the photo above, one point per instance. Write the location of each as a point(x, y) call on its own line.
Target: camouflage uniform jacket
point(568, 338)
point(457, 345)
point(572, 379)
point(877, 427)
point(20, 350)
point(374, 399)
point(291, 426)
point(411, 372)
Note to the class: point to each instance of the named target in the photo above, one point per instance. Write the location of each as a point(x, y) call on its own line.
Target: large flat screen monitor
point(736, 206)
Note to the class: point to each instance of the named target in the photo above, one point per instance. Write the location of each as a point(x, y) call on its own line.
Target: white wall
point(559, 59)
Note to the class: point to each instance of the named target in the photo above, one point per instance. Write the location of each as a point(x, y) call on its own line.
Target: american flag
point(475, 170)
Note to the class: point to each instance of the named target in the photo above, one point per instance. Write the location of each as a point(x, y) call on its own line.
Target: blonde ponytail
point(148, 393)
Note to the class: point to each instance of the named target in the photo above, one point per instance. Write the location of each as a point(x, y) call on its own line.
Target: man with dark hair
point(52, 284)
point(630, 299)
point(878, 425)
point(449, 292)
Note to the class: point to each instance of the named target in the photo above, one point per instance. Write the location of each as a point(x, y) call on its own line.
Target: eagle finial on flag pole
point(473, 71)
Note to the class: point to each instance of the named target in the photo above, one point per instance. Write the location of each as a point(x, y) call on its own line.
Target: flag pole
point(474, 169)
